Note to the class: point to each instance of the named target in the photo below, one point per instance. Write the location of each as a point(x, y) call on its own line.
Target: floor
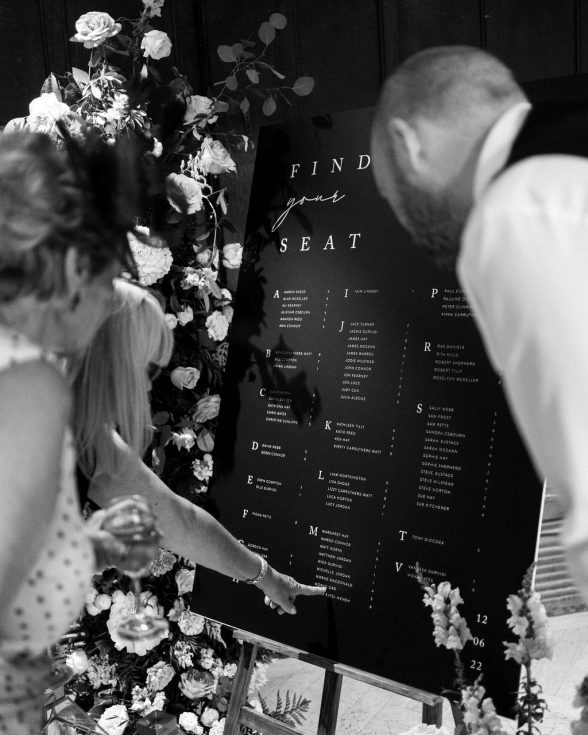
point(365, 710)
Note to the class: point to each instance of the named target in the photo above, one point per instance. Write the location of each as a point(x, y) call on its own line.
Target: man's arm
point(524, 268)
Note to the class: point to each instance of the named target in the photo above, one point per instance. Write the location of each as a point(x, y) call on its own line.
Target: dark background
point(347, 45)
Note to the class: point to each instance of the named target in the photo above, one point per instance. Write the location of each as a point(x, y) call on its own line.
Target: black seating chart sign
point(362, 429)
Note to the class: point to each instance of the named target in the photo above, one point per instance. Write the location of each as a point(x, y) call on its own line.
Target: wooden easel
point(238, 714)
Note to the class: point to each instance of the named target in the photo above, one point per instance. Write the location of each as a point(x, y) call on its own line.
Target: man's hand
point(281, 590)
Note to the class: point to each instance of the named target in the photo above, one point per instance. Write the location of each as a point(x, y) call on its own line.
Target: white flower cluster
point(202, 468)
point(101, 673)
point(480, 716)
point(96, 603)
point(144, 702)
point(159, 676)
point(423, 729)
point(450, 629)
point(153, 262)
point(528, 621)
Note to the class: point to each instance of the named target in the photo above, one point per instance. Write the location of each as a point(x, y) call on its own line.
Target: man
point(499, 191)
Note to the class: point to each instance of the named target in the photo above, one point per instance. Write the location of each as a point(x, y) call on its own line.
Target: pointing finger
point(309, 590)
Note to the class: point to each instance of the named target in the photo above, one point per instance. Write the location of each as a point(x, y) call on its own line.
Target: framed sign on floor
point(362, 430)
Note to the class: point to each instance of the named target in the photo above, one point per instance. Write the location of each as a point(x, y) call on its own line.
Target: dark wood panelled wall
point(348, 46)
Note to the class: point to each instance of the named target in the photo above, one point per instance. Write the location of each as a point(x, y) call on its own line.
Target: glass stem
point(137, 589)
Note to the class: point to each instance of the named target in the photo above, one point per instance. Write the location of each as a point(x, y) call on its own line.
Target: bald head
point(456, 85)
point(432, 118)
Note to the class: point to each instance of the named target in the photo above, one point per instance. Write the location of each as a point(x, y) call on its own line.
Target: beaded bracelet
point(262, 571)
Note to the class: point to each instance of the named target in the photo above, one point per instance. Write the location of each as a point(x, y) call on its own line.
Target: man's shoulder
point(538, 182)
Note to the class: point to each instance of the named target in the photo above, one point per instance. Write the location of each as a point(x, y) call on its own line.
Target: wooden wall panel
point(22, 59)
point(348, 46)
point(536, 38)
point(438, 23)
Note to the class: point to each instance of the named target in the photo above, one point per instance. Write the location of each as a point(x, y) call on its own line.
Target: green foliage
point(291, 710)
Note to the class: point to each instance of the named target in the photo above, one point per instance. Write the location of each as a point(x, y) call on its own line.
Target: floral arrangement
point(188, 673)
point(528, 621)
point(187, 254)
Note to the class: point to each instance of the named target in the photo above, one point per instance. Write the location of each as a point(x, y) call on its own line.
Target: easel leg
point(433, 714)
point(240, 687)
point(330, 703)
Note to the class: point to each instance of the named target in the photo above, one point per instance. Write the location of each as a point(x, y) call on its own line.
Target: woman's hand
point(281, 590)
point(108, 550)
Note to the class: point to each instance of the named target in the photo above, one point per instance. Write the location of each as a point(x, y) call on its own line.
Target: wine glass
point(131, 521)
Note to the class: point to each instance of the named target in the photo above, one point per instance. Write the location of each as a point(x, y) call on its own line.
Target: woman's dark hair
point(82, 193)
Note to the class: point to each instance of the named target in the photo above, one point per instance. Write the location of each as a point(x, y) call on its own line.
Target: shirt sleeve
point(524, 269)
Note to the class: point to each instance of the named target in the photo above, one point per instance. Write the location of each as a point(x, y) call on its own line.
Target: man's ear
point(406, 144)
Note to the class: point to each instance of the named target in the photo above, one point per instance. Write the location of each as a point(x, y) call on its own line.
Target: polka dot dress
point(53, 592)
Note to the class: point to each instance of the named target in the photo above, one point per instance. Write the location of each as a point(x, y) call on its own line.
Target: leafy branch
point(292, 711)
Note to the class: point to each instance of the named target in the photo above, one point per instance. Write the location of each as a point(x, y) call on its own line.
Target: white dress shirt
point(523, 266)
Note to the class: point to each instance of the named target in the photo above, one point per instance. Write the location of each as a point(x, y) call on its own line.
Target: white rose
point(114, 719)
point(188, 721)
point(217, 326)
point(44, 111)
point(184, 193)
point(207, 408)
point(185, 316)
point(185, 377)
point(157, 149)
point(209, 716)
point(214, 158)
point(94, 28)
point(185, 580)
point(232, 255)
point(156, 44)
point(198, 106)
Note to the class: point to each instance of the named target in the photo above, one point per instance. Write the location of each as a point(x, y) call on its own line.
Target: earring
point(74, 302)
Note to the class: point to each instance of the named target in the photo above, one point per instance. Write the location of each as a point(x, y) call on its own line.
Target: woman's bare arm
point(192, 532)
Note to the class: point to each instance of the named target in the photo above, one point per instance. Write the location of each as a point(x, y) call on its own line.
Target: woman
point(61, 243)
point(110, 385)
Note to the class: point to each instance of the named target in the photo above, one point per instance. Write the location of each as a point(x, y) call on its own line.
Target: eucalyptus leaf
point(232, 83)
point(205, 441)
point(160, 418)
point(269, 106)
point(277, 73)
point(278, 21)
point(237, 49)
point(220, 106)
point(165, 435)
point(253, 76)
point(226, 53)
point(244, 105)
point(303, 86)
point(266, 33)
